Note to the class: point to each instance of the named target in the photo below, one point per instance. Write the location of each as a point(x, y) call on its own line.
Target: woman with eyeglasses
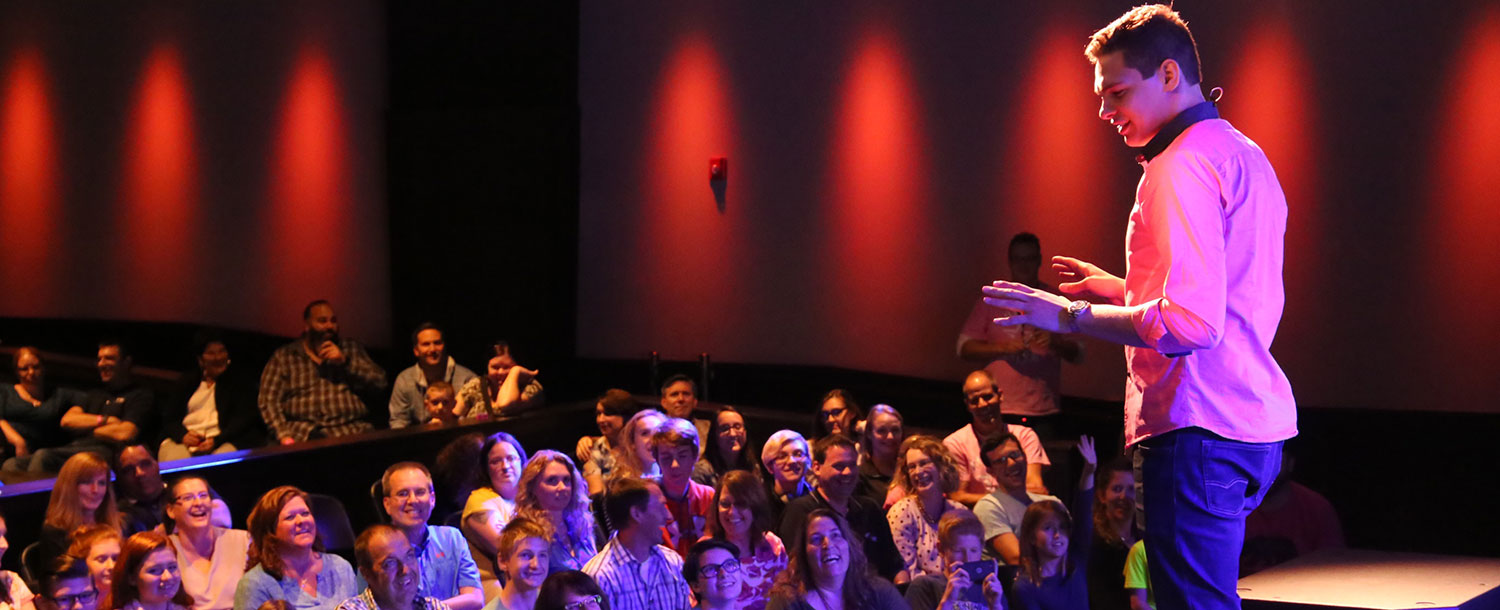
point(788, 460)
point(713, 572)
point(742, 518)
point(726, 449)
point(286, 558)
point(570, 590)
point(492, 504)
point(212, 558)
point(925, 472)
point(147, 576)
point(839, 414)
point(828, 571)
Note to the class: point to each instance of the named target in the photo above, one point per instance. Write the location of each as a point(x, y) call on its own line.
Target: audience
point(65, 585)
point(835, 460)
point(597, 453)
point(81, 496)
point(827, 571)
point(742, 517)
point(634, 570)
point(839, 414)
point(675, 447)
point(1114, 534)
point(727, 448)
point(1290, 522)
point(1053, 572)
point(926, 474)
point(959, 542)
point(147, 576)
point(441, 404)
point(392, 572)
point(983, 399)
point(14, 594)
point(1001, 511)
point(712, 570)
point(524, 547)
point(119, 412)
point(98, 546)
point(408, 405)
point(879, 449)
point(553, 493)
point(571, 590)
point(679, 398)
point(286, 559)
point(492, 505)
point(446, 569)
point(142, 494)
point(506, 388)
point(785, 456)
point(30, 410)
point(633, 457)
point(1138, 578)
point(212, 409)
point(310, 388)
point(212, 558)
point(459, 468)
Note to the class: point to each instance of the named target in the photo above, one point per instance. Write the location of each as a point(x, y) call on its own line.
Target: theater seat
point(333, 524)
point(29, 557)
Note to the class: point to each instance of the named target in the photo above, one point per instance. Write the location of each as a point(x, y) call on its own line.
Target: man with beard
point(445, 568)
point(836, 464)
point(308, 389)
point(141, 492)
point(1001, 511)
point(390, 568)
point(983, 397)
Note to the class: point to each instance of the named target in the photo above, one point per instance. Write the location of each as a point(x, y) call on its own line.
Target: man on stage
point(1206, 406)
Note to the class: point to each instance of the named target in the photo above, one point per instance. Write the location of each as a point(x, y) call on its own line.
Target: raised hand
point(1082, 280)
point(1090, 462)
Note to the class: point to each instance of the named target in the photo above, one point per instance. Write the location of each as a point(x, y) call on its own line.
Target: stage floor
point(1346, 578)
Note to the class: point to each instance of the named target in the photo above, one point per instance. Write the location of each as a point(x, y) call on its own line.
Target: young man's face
point(429, 347)
point(838, 473)
point(676, 463)
point(69, 594)
point(1136, 106)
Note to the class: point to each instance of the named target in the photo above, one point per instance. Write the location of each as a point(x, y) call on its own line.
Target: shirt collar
point(1169, 132)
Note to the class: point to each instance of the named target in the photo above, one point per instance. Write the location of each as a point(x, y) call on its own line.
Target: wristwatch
point(1075, 309)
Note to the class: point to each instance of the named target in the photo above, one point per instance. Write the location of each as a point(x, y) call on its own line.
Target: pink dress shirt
point(1203, 282)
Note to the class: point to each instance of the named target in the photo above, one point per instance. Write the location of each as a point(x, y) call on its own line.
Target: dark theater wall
point(881, 153)
point(214, 162)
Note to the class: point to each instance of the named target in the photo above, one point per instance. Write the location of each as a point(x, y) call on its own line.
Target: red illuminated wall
point(882, 154)
point(204, 162)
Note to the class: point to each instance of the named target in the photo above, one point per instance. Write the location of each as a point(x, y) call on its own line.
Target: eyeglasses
point(797, 454)
point(420, 493)
point(80, 599)
point(190, 498)
point(592, 602)
point(732, 427)
point(835, 412)
point(730, 566)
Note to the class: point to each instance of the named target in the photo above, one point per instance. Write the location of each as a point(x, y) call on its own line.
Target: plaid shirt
point(366, 601)
point(653, 584)
point(299, 396)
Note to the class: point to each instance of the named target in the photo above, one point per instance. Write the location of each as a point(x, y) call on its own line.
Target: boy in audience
point(1002, 510)
point(409, 406)
point(836, 463)
point(447, 570)
point(392, 572)
point(1138, 578)
point(983, 399)
point(633, 569)
point(960, 538)
point(675, 446)
point(439, 401)
point(523, 556)
point(66, 585)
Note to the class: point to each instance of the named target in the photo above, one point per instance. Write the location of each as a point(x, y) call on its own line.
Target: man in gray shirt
point(1002, 510)
point(433, 364)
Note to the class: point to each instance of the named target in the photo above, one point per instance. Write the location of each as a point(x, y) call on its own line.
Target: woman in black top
point(234, 422)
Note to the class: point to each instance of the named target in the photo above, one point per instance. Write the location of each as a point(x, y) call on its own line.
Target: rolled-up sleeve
point(1185, 217)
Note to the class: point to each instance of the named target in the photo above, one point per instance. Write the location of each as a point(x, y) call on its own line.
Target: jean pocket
point(1231, 475)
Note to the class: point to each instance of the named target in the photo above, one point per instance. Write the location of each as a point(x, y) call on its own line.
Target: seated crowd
point(665, 508)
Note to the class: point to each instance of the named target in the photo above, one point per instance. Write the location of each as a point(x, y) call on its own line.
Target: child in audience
point(1114, 533)
point(65, 585)
point(1053, 571)
point(524, 549)
point(98, 545)
point(441, 401)
point(675, 448)
point(960, 537)
point(742, 516)
point(147, 576)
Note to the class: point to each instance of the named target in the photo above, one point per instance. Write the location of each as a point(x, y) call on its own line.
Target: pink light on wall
point(160, 194)
point(308, 243)
point(29, 189)
point(879, 234)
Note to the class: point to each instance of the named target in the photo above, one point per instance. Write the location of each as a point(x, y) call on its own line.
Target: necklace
point(922, 505)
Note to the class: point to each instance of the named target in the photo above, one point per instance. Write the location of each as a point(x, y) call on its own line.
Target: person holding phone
point(960, 586)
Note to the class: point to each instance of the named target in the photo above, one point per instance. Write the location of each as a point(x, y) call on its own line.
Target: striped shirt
point(629, 584)
point(366, 601)
point(299, 396)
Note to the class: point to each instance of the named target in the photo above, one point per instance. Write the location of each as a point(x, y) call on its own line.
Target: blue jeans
point(1195, 489)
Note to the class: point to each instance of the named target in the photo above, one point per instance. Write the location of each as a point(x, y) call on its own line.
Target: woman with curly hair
point(553, 492)
point(828, 571)
point(147, 576)
point(286, 558)
point(925, 472)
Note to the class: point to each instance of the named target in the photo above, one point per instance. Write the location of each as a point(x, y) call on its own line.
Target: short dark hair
point(1024, 237)
point(695, 556)
point(307, 311)
point(385, 479)
point(994, 442)
point(63, 567)
point(623, 494)
point(117, 343)
point(362, 558)
point(821, 447)
point(421, 327)
point(1146, 36)
point(554, 590)
point(617, 402)
point(676, 378)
